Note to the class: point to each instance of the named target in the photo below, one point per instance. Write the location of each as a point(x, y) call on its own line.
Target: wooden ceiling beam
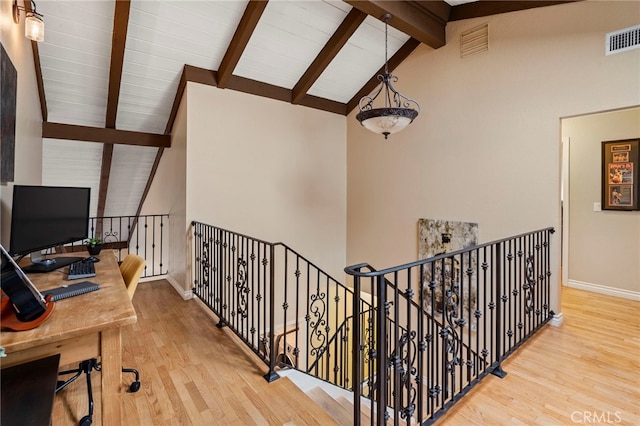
point(373, 82)
point(176, 101)
point(118, 41)
point(107, 156)
point(106, 136)
point(258, 88)
point(39, 80)
point(337, 41)
point(423, 21)
point(490, 7)
point(241, 37)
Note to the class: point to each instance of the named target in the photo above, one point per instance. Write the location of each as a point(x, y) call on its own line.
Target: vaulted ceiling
point(111, 74)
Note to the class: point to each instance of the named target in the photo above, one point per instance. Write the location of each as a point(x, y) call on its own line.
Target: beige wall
point(28, 148)
point(268, 169)
point(486, 145)
point(604, 247)
point(168, 194)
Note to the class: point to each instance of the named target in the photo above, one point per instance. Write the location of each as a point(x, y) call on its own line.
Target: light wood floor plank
point(196, 374)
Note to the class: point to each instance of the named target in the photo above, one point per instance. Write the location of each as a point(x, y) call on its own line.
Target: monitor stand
point(40, 265)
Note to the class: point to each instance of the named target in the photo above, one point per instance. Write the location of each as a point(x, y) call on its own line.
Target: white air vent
point(622, 40)
point(474, 41)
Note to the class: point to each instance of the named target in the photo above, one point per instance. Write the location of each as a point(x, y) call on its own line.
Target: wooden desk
point(81, 327)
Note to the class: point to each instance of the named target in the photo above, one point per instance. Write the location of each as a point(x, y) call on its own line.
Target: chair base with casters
point(86, 367)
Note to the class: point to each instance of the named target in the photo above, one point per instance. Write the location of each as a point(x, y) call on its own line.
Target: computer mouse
point(91, 259)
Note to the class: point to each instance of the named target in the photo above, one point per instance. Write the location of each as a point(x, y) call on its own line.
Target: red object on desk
point(10, 321)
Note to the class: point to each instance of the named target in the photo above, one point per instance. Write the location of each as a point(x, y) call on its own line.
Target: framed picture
point(620, 174)
point(8, 87)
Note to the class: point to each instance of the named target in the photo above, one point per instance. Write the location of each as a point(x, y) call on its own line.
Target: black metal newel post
point(381, 353)
point(498, 371)
point(216, 241)
point(356, 347)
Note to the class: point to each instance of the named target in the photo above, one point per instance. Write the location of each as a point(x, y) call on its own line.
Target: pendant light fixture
point(398, 110)
point(33, 23)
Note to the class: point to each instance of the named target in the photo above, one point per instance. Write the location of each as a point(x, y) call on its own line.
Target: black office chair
point(131, 269)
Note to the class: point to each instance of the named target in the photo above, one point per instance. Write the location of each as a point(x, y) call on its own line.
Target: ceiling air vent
point(474, 41)
point(622, 40)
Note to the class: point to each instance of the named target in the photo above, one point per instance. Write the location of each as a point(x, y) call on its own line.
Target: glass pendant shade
point(34, 28)
point(386, 121)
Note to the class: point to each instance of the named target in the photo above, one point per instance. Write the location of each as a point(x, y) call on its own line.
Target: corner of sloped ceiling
point(168, 190)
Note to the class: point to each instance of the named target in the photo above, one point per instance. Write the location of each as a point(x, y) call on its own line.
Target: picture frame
point(8, 88)
point(621, 174)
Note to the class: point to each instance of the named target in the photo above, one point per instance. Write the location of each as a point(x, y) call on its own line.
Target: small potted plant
point(94, 245)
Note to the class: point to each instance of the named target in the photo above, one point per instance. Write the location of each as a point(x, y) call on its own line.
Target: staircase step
point(364, 414)
point(338, 412)
point(348, 405)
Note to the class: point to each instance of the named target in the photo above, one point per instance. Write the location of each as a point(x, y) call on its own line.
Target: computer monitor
point(43, 217)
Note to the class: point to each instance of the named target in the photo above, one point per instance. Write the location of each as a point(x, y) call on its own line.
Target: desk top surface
point(77, 316)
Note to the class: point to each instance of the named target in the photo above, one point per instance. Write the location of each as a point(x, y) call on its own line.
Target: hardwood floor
point(585, 372)
point(192, 373)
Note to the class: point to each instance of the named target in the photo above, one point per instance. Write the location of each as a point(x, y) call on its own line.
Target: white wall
point(268, 169)
point(28, 148)
point(486, 145)
point(604, 248)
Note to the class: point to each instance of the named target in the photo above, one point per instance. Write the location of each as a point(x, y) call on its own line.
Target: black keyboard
point(81, 269)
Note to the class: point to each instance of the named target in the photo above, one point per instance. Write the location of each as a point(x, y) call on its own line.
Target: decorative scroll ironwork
point(403, 361)
point(205, 264)
point(318, 323)
point(110, 236)
point(242, 288)
point(449, 332)
point(529, 284)
point(369, 352)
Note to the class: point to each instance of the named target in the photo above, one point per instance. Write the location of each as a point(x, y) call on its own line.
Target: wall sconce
point(33, 23)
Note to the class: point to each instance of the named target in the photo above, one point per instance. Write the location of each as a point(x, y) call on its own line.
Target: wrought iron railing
point(145, 235)
point(279, 303)
point(413, 339)
point(455, 318)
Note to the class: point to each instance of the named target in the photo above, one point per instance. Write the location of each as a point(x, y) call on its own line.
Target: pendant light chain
point(386, 46)
point(387, 77)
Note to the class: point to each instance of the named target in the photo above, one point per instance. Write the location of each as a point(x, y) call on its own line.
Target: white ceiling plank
point(82, 69)
point(67, 97)
point(75, 60)
point(73, 163)
point(86, 80)
point(287, 39)
point(64, 87)
point(362, 56)
point(130, 168)
point(162, 37)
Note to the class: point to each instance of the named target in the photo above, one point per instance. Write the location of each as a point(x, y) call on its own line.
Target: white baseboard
point(557, 320)
point(602, 289)
point(185, 294)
